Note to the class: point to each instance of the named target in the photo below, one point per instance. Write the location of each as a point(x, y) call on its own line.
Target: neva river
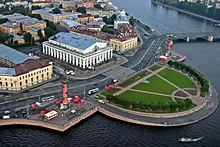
point(99, 130)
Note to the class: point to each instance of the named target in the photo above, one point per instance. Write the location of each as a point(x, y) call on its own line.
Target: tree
point(61, 6)
point(81, 10)
point(113, 17)
point(39, 33)
point(56, 11)
point(98, 6)
point(132, 21)
point(35, 7)
point(170, 63)
point(173, 106)
point(36, 16)
point(49, 32)
point(3, 20)
point(108, 20)
point(28, 38)
point(4, 38)
point(188, 103)
point(181, 105)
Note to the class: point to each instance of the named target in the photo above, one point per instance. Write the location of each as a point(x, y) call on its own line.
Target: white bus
point(49, 98)
point(92, 91)
point(51, 115)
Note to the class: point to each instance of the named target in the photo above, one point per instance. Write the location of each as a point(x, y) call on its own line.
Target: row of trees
point(109, 30)
point(204, 83)
point(14, 9)
point(200, 9)
point(153, 106)
point(197, 8)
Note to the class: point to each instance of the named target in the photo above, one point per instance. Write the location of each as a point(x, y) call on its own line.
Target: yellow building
point(18, 39)
point(31, 24)
point(86, 4)
point(55, 18)
point(123, 44)
point(85, 18)
point(33, 31)
point(24, 72)
point(9, 28)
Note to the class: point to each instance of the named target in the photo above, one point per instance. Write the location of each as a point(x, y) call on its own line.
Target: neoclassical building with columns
point(78, 50)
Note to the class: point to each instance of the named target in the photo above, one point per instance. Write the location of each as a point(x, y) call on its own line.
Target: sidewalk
point(99, 70)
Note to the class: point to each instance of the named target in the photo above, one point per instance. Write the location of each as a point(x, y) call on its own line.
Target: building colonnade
point(77, 59)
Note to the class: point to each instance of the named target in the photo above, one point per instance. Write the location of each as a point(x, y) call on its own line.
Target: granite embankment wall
point(48, 125)
point(110, 114)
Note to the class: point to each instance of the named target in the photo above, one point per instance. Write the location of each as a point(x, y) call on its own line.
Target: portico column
point(108, 54)
point(67, 57)
point(58, 54)
point(84, 63)
point(73, 60)
point(44, 49)
point(76, 61)
point(93, 60)
point(54, 53)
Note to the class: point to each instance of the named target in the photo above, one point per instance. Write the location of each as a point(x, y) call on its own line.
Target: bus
point(92, 91)
point(49, 98)
point(51, 115)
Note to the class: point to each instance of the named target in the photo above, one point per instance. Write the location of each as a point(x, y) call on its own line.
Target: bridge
point(196, 36)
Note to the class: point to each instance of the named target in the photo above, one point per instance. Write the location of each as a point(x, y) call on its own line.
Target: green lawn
point(180, 80)
point(155, 67)
point(110, 91)
point(144, 97)
point(156, 84)
point(133, 79)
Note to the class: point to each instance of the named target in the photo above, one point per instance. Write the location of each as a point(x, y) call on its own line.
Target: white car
point(7, 112)
point(38, 104)
point(114, 81)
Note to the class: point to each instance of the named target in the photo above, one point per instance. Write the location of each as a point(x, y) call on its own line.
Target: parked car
point(114, 80)
point(7, 112)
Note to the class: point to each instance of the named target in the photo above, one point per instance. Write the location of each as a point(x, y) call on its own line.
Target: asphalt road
point(142, 58)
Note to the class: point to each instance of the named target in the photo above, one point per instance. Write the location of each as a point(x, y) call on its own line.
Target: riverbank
point(164, 120)
point(187, 12)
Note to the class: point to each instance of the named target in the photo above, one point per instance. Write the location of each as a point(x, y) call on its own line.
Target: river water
point(100, 130)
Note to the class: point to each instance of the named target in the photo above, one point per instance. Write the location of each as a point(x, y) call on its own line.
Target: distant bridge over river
point(196, 36)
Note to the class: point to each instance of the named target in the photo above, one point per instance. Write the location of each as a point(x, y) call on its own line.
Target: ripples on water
point(100, 130)
point(103, 131)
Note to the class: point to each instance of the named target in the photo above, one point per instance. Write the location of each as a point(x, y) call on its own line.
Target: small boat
point(217, 24)
point(183, 139)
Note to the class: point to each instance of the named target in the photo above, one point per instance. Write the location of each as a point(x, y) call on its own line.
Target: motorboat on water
point(183, 139)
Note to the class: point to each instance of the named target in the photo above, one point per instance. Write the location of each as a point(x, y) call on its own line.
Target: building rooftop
point(46, 12)
point(126, 32)
point(73, 40)
point(7, 71)
point(96, 23)
point(34, 29)
point(9, 25)
point(70, 22)
point(13, 55)
point(29, 65)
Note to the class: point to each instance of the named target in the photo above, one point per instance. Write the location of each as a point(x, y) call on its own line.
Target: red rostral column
point(170, 43)
point(65, 101)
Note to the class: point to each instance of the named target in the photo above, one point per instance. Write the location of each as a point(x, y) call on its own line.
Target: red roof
point(30, 65)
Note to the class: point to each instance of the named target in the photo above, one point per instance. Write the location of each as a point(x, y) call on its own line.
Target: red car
point(58, 102)
point(42, 113)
